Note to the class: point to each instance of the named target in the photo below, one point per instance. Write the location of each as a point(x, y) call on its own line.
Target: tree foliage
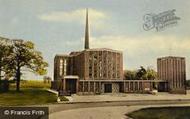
point(140, 74)
point(21, 54)
point(151, 74)
point(129, 75)
point(5, 53)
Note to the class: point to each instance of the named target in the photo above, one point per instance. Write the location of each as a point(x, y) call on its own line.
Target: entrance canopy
point(71, 77)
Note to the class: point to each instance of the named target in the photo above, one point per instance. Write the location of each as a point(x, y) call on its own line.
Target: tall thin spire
point(86, 32)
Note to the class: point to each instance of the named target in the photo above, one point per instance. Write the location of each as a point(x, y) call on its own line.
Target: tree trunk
point(18, 79)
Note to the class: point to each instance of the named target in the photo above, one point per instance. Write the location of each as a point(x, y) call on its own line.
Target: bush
point(63, 98)
point(4, 85)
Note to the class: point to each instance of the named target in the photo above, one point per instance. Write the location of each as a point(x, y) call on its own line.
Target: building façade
point(173, 70)
point(100, 70)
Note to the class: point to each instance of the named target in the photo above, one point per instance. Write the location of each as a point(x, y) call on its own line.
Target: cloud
point(169, 45)
point(144, 45)
point(144, 51)
point(141, 51)
point(97, 18)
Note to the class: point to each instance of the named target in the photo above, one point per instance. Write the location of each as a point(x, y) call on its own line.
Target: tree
point(151, 74)
point(5, 52)
point(25, 56)
point(129, 75)
point(141, 73)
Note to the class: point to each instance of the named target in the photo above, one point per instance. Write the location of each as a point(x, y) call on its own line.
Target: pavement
point(112, 106)
point(112, 112)
point(127, 97)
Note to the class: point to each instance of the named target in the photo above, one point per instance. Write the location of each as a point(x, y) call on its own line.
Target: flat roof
point(102, 49)
point(61, 55)
point(71, 77)
point(171, 57)
point(125, 80)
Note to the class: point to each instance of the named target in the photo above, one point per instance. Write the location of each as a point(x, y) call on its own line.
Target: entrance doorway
point(163, 87)
point(71, 86)
point(108, 88)
point(121, 87)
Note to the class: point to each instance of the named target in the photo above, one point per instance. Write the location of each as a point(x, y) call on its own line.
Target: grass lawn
point(31, 84)
point(161, 113)
point(32, 93)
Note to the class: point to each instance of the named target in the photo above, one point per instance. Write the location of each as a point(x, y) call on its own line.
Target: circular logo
point(6, 112)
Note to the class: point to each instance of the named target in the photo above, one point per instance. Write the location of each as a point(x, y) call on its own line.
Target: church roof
point(103, 49)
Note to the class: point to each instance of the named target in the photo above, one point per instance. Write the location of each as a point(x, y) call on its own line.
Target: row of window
point(62, 67)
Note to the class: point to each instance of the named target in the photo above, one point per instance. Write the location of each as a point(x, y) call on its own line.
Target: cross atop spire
point(86, 32)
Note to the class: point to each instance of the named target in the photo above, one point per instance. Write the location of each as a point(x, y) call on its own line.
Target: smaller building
point(173, 70)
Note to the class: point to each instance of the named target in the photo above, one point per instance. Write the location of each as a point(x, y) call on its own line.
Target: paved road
point(88, 107)
point(108, 112)
point(62, 107)
point(127, 97)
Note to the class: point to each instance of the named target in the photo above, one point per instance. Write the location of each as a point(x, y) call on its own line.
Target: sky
point(57, 27)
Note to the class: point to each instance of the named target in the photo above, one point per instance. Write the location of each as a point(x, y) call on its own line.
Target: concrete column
point(94, 87)
point(129, 86)
point(124, 86)
point(83, 86)
point(138, 86)
point(77, 86)
point(166, 86)
point(100, 87)
point(88, 86)
point(64, 85)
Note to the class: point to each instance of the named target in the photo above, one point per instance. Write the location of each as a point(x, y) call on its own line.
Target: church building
point(100, 70)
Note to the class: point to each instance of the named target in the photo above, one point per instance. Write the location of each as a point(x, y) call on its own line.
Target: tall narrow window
point(65, 67)
point(61, 67)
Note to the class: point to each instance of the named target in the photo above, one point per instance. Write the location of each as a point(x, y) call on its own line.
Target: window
point(61, 67)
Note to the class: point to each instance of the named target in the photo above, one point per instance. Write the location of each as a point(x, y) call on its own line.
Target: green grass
point(161, 113)
point(27, 97)
point(31, 84)
point(32, 93)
